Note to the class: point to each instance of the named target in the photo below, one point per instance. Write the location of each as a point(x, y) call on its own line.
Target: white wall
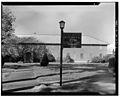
point(88, 52)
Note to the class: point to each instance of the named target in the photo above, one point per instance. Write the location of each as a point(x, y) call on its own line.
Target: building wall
point(84, 53)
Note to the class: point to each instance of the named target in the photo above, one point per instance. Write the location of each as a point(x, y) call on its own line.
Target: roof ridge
point(96, 39)
point(37, 35)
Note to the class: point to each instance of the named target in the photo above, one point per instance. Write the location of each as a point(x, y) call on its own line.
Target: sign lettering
point(71, 40)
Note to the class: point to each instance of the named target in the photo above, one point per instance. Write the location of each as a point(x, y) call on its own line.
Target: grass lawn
point(75, 77)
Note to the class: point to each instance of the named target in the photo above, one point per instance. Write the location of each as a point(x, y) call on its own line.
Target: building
point(91, 47)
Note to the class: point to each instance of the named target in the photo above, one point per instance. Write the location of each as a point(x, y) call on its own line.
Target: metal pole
point(61, 51)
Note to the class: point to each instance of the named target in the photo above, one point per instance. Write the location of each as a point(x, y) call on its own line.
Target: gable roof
point(57, 39)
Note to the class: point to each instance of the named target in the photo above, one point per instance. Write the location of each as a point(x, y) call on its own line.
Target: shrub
point(112, 64)
point(51, 58)
point(106, 57)
point(45, 60)
point(68, 58)
point(97, 59)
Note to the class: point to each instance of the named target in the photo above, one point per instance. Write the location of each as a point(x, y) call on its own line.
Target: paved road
point(76, 78)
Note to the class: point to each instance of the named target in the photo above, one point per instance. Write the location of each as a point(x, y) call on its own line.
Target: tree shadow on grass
point(86, 86)
point(19, 66)
point(90, 79)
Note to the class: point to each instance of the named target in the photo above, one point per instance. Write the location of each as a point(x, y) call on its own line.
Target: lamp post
point(62, 25)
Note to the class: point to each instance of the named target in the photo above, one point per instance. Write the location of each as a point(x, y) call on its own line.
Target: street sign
point(71, 40)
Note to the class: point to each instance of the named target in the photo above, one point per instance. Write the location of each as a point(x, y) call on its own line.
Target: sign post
point(68, 40)
point(61, 54)
point(62, 24)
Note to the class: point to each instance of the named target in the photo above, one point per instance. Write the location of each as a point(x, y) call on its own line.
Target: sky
point(96, 21)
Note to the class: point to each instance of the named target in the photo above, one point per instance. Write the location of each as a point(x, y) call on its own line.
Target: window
point(81, 56)
point(100, 54)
